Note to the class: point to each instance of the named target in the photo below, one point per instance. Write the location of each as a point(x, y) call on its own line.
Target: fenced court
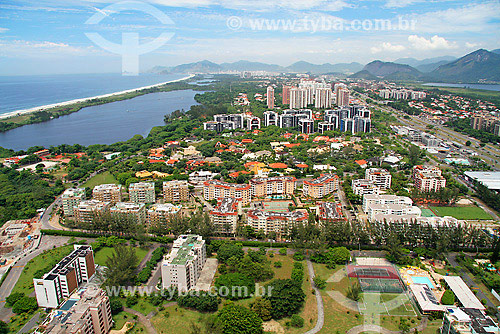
point(277, 206)
point(391, 304)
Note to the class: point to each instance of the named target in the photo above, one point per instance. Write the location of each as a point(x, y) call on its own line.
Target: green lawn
point(176, 320)
point(102, 178)
point(45, 260)
point(461, 212)
point(102, 254)
point(121, 318)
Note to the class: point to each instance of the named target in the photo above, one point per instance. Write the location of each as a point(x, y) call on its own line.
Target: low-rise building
point(111, 193)
point(428, 178)
point(65, 277)
point(277, 222)
point(330, 212)
point(322, 186)
point(142, 192)
point(87, 311)
point(86, 211)
point(136, 211)
point(225, 215)
point(201, 176)
point(380, 206)
point(176, 191)
point(182, 267)
point(363, 187)
point(265, 186)
point(215, 189)
point(71, 198)
point(467, 321)
point(379, 176)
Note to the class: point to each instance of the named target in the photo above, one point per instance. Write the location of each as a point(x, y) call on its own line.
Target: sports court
point(278, 206)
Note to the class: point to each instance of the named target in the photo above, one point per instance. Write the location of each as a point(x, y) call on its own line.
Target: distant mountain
point(363, 74)
point(416, 63)
point(204, 66)
point(383, 69)
point(244, 65)
point(496, 51)
point(347, 68)
point(305, 67)
point(480, 65)
point(426, 68)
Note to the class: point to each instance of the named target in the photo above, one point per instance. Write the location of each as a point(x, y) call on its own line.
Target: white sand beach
point(49, 106)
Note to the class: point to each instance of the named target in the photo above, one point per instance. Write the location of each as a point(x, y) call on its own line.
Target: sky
point(55, 37)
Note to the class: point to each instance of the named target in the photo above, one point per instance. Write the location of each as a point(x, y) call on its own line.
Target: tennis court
point(277, 206)
point(427, 212)
point(392, 304)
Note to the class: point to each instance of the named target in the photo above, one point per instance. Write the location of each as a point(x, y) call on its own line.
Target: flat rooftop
point(465, 296)
point(489, 179)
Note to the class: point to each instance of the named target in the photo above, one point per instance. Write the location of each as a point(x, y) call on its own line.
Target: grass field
point(102, 254)
point(427, 213)
point(42, 261)
point(461, 212)
point(102, 178)
point(176, 320)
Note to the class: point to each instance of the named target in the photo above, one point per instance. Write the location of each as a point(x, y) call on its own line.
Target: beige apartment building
point(135, 210)
point(277, 222)
point(88, 311)
point(111, 193)
point(176, 191)
point(225, 215)
point(161, 213)
point(428, 178)
point(215, 189)
point(265, 186)
point(142, 192)
point(86, 211)
point(322, 186)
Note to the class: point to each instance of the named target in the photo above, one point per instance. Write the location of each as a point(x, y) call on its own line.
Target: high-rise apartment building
point(182, 267)
point(176, 191)
point(71, 198)
point(111, 193)
point(323, 98)
point(59, 283)
point(342, 97)
point(271, 118)
point(285, 94)
point(270, 97)
point(142, 192)
point(298, 98)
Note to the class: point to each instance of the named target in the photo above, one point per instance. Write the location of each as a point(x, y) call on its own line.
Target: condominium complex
point(160, 213)
point(224, 122)
point(298, 98)
point(86, 211)
point(65, 277)
point(136, 211)
point(330, 211)
point(401, 94)
point(428, 178)
point(270, 97)
point(285, 94)
point(363, 187)
point(486, 122)
point(215, 189)
point(322, 186)
point(225, 215)
point(387, 207)
point(380, 177)
point(353, 119)
point(182, 267)
point(87, 311)
point(323, 98)
point(253, 123)
point(71, 198)
point(467, 321)
point(277, 222)
point(142, 192)
point(270, 118)
point(111, 193)
point(265, 186)
point(176, 191)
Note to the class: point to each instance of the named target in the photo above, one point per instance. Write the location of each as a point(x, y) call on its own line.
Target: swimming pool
point(422, 280)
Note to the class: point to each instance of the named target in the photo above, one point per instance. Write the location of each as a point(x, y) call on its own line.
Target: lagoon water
point(492, 87)
point(102, 124)
point(25, 92)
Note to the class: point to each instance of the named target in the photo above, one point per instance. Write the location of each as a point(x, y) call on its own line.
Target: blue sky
point(48, 36)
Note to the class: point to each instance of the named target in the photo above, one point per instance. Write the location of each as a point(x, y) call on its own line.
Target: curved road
point(319, 301)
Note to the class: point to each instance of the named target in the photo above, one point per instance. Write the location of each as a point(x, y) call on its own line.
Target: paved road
point(319, 302)
point(32, 323)
point(452, 259)
point(10, 281)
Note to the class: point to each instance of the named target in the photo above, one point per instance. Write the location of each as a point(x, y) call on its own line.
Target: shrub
point(297, 321)
point(298, 256)
point(278, 264)
point(200, 301)
point(297, 272)
point(448, 298)
point(13, 298)
point(283, 251)
point(25, 305)
point(319, 282)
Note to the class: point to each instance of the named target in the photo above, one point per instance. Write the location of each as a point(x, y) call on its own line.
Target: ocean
point(492, 87)
point(24, 92)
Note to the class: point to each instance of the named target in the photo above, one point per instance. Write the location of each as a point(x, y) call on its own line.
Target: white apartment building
point(182, 266)
point(428, 178)
point(71, 198)
point(363, 187)
point(225, 215)
point(298, 98)
point(379, 176)
point(142, 192)
point(378, 206)
point(323, 98)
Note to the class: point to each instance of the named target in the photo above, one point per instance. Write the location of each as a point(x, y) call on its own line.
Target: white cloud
point(475, 17)
point(26, 49)
point(388, 47)
point(2, 30)
point(434, 43)
point(399, 3)
point(259, 5)
point(471, 45)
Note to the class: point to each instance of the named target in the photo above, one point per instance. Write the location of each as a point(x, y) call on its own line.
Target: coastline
point(22, 112)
